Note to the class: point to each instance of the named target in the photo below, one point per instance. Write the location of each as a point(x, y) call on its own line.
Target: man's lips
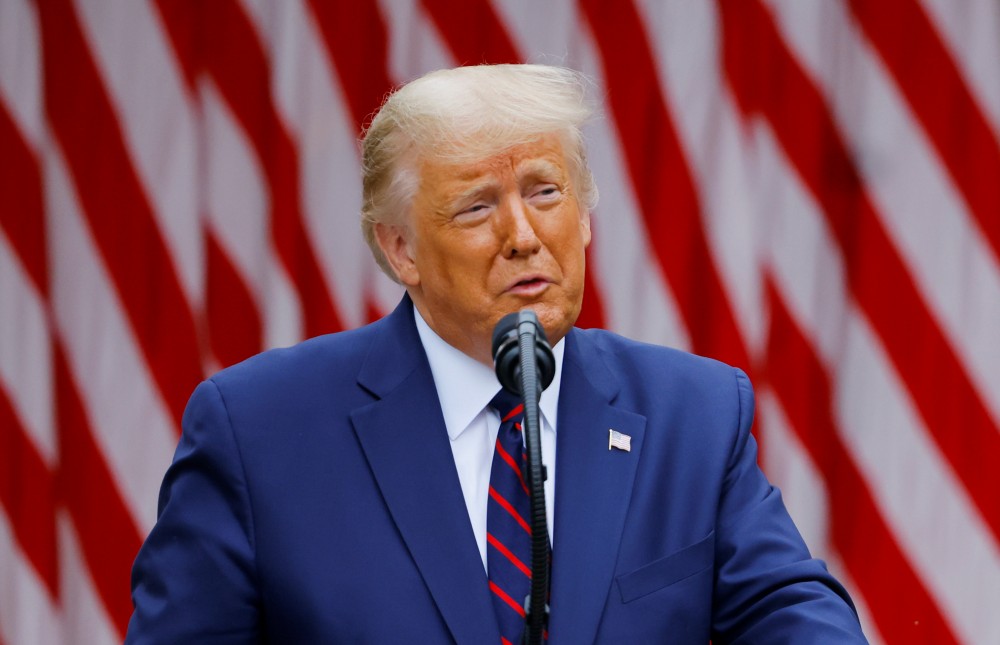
point(529, 285)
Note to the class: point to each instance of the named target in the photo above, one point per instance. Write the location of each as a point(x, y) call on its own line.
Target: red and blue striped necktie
point(508, 527)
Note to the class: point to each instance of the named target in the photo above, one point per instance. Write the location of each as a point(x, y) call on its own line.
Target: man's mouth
point(529, 286)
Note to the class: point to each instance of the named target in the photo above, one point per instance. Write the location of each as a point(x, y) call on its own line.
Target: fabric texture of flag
point(806, 189)
point(619, 441)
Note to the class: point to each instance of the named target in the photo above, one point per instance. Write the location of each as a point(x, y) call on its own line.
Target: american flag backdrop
point(808, 189)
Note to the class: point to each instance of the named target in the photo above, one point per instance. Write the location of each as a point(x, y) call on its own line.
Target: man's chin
point(555, 315)
point(556, 320)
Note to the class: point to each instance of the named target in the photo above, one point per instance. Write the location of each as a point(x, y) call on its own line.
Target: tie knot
point(506, 403)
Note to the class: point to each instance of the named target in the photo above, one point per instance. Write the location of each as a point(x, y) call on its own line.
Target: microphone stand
point(537, 609)
point(525, 376)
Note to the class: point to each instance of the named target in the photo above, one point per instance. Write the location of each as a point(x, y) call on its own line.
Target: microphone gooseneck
point(525, 366)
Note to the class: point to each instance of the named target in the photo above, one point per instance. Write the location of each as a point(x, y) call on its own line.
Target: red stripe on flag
point(657, 167)
point(355, 37)
point(28, 493)
point(232, 318)
point(226, 47)
point(900, 604)
point(184, 25)
point(472, 31)
point(767, 80)
point(507, 599)
point(116, 209)
point(81, 483)
point(27, 486)
point(933, 86)
point(499, 546)
point(592, 312)
point(499, 499)
point(234, 326)
point(107, 534)
point(22, 216)
point(372, 310)
point(236, 61)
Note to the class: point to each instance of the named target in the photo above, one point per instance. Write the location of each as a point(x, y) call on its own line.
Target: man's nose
point(520, 237)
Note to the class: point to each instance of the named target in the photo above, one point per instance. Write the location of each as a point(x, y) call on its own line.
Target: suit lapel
point(404, 439)
point(593, 491)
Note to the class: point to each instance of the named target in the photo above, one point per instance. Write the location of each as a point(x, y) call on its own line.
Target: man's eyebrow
point(538, 168)
point(473, 192)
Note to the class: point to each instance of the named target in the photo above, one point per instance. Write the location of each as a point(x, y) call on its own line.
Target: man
point(339, 490)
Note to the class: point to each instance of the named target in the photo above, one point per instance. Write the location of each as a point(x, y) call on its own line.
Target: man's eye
point(474, 209)
point(546, 192)
point(472, 213)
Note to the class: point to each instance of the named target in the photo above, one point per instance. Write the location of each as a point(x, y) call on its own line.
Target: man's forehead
point(543, 156)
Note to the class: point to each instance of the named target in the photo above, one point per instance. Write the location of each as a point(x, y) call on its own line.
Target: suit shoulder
point(650, 378)
point(329, 359)
point(648, 361)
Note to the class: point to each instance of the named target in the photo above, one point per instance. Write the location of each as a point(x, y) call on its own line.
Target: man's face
point(492, 237)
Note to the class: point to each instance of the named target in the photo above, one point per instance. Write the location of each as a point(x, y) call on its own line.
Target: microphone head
point(504, 331)
point(506, 350)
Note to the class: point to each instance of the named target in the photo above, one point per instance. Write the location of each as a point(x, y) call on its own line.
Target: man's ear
point(395, 245)
point(585, 227)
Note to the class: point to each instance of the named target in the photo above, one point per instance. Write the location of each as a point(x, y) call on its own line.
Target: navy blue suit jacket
point(313, 498)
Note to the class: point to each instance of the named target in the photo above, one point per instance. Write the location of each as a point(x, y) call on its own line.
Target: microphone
point(525, 366)
point(506, 350)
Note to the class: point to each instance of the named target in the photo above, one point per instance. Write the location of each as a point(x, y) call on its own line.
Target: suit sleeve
point(768, 587)
point(194, 578)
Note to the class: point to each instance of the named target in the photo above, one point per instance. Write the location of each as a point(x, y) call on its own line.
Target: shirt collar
point(465, 386)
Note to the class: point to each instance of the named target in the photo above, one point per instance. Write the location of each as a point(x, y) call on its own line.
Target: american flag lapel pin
point(618, 440)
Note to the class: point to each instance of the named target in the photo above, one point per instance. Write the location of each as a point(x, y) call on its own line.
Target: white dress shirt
point(465, 388)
